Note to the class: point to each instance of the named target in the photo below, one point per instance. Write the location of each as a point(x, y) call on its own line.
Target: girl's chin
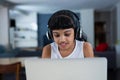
point(63, 48)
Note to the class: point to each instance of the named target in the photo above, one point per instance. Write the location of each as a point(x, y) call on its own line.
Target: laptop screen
point(66, 69)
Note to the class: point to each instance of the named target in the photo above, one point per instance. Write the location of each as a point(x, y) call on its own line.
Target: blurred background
point(23, 24)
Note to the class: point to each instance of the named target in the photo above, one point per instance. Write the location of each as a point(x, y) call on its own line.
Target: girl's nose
point(62, 38)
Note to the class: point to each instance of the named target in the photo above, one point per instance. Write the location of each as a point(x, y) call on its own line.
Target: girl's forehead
point(63, 30)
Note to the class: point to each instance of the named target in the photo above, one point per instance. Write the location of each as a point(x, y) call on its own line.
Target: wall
point(113, 30)
point(118, 35)
point(4, 26)
point(42, 27)
point(87, 23)
point(118, 22)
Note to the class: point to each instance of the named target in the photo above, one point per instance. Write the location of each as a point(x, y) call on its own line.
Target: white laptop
point(66, 69)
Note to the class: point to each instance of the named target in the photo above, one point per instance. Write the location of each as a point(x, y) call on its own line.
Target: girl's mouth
point(63, 45)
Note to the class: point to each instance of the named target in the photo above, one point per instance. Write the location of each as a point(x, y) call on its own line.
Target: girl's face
point(64, 38)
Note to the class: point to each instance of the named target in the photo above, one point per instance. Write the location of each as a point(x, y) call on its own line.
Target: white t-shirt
point(77, 52)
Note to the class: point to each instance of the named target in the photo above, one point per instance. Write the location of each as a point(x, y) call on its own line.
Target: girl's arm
point(88, 50)
point(46, 52)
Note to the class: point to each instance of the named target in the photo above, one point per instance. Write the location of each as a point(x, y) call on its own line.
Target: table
point(13, 60)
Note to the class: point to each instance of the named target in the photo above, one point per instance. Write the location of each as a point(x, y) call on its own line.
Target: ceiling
point(47, 6)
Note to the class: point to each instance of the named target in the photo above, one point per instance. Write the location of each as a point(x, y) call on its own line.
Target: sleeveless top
point(76, 53)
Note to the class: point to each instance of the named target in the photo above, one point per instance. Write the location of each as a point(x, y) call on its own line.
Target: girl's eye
point(57, 35)
point(67, 35)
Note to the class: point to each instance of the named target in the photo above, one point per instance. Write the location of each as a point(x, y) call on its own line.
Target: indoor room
point(24, 24)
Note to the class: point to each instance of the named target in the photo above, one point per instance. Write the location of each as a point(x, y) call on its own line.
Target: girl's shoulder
point(87, 44)
point(46, 52)
point(48, 46)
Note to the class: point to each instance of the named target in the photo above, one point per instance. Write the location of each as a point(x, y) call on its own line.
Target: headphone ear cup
point(77, 35)
point(49, 35)
point(80, 33)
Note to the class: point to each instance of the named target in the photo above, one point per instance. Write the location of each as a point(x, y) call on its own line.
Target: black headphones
point(75, 19)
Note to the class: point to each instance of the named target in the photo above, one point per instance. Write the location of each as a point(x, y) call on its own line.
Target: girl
point(64, 29)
